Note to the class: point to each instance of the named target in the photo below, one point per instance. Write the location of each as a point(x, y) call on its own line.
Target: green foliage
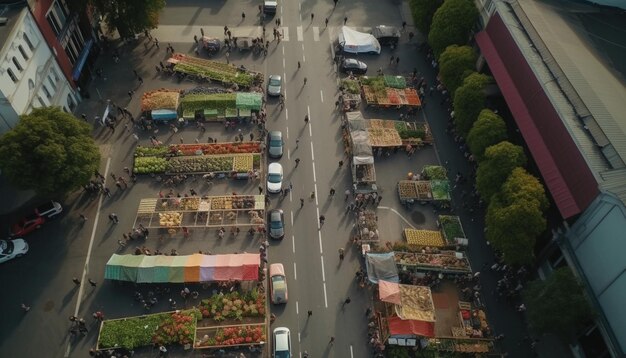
point(469, 100)
point(398, 352)
point(557, 305)
point(129, 17)
point(49, 151)
point(456, 63)
point(422, 12)
point(522, 199)
point(451, 24)
point(488, 130)
point(498, 163)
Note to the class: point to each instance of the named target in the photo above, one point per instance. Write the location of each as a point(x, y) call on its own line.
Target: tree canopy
point(469, 100)
point(456, 63)
point(423, 11)
point(49, 151)
point(557, 305)
point(451, 24)
point(489, 129)
point(498, 163)
point(129, 17)
point(521, 199)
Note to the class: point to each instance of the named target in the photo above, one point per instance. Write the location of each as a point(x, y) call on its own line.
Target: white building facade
point(30, 75)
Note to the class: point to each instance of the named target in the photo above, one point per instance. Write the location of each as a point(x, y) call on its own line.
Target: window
point(24, 55)
point(55, 74)
point(28, 43)
point(31, 84)
point(70, 102)
point(57, 17)
point(52, 83)
point(45, 90)
point(71, 53)
point(17, 64)
point(54, 23)
point(41, 102)
point(12, 75)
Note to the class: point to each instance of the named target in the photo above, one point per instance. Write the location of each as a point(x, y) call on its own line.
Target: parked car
point(274, 178)
point(274, 85)
point(275, 147)
point(269, 6)
point(387, 35)
point(279, 284)
point(282, 342)
point(31, 222)
point(10, 249)
point(277, 224)
point(354, 66)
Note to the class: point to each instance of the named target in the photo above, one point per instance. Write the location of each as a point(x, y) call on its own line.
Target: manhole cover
point(418, 217)
point(48, 306)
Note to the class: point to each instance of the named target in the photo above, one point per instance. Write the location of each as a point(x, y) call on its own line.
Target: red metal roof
point(567, 176)
point(398, 326)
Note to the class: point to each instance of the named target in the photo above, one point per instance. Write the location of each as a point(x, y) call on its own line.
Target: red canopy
point(389, 292)
point(398, 326)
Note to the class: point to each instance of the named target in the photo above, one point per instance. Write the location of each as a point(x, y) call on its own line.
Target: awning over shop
point(381, 267)
point(82, 59)
point(178, 269)
point(389, 291)
point(249, 100)
point(398, 326)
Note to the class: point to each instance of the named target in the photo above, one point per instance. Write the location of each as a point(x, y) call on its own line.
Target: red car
point(34, 221)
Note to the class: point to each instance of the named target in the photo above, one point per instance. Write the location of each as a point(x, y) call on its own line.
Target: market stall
point(381, 266)
point(161, 104)
point(452, 230)
point(227, 74)
point(411, 191)
point(182, 269)
point(208, 212)
point(443, 261)
point(387, 91)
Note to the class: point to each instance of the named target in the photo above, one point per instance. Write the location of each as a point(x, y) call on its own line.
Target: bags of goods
point(424, 238)
point(170, 219)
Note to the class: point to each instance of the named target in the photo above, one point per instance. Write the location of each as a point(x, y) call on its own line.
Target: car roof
point(276, 134)
point(275, 77)
point(276, 214)
point(386, 31)
point(277, 269)
point(275, 167)
point(282, 338)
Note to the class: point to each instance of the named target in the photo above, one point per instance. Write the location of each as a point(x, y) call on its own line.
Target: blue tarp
point(381, 267)
point(163, 114)
point(82, 59)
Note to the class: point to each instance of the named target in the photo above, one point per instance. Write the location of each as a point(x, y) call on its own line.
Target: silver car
point(277, 224)
point(274, 85)
point(275, 144)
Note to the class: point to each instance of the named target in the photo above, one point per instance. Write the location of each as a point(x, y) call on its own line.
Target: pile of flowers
point(233, 305)
point(178, 328)
point(231, 336)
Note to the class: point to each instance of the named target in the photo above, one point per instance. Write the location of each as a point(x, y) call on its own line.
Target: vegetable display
point(451, 227)
point(424, 238)
point(146, 165)
point(441, 189)
point(435, 172)
point(162, 328)
point(218, 71)
point(160, 99)
point(217, 101)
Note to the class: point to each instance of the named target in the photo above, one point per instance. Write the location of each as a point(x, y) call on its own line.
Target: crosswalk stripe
point(300, 34)
point(316, 33)
point(285, 31)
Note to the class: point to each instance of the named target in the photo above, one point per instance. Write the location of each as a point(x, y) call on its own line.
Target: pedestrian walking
point(411, 34)
point(322, 220)
point(305, 354)
point(25, 308)
point(345, 19)
point(340, 164)
point(92, 282)
point(135, 136)
point(260, 190)
point(391, 59)
point(312, 16)
point(312, 195)
point(304, 81)
point(84, 116)
point(195, 38)
point(130, 94)
point(403, 25)
point(121, 243)
point(202, 31)
point(98, 316)
point(326, 22)
point(397, 60)
point(341, 253)
point(378, 200)
point(140, 80)
point(332, 192)
point(332, 340)
point(368, 311)
point(113, 218)
point(347, 301)
point(107, 192)
point(301, 203)
point(310, 313)
point(347, 195)
point(297, 142)
point(162, 351)
point(299, 65)
point(243, 16)
point(297, 162)
point(306, 119)
point(76, 281)
point(156, 42)
point(83, 217)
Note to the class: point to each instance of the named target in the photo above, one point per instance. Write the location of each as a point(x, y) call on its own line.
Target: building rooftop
point(12, 14)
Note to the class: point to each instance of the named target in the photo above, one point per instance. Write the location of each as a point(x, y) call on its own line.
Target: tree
point(469, 100)
point(496, 166)
point(489, 129)
point(423, 11)
point(456, 63)
point(451, 24)
point(522, 199)
point(49, 151)
point(557, 305)
point(129, 17)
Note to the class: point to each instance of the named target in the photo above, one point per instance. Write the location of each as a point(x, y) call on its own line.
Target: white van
point(282, 342)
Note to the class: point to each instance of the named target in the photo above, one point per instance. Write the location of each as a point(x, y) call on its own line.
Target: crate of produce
point(440, 189)
point(407, 190)
point(424, 238)
point(452, 229)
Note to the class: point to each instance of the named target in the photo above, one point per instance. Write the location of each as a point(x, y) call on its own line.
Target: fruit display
point(367, 225)
point(441, 189)
point(170, 219)
point(146, 165)
point(158, 151)
point(214, 148)
point(189, 204)
point(446, 261)
point(417, 303)
point(242, 162)
point(424, 238)
point(200, 164)
point(160, 99)
point(407, 189)
point(435, 172)
point(451, 227)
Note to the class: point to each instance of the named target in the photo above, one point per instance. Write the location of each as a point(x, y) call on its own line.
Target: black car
point(354, 66)
point(387, 35)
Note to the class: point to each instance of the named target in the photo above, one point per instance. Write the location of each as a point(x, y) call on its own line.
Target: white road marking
point(319, 236)
point(351, 353)
point(312, 152)
point(325, 297)
point(316, 33)
point(314, 176)
point(318, 215)
point(285, 31)
point(283, 50)
point(285, 93)
point(322, 96)
point(323, 272)
point(286, 112)
point(303, 48)
point(290, 197)
point(293, 245)
point(295, 272)
point(283, 63)
point(303, 58)
point(297, 309)
point(316, 202)
point(287, 133)
point(397, 213)
point(308, 111)
point(300, 34)
point(79, 299)
point(291, 218)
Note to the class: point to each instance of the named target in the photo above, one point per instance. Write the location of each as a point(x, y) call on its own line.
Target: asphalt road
point(317, 279)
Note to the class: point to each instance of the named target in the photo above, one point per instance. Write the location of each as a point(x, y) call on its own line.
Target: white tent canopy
point(353, 41)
